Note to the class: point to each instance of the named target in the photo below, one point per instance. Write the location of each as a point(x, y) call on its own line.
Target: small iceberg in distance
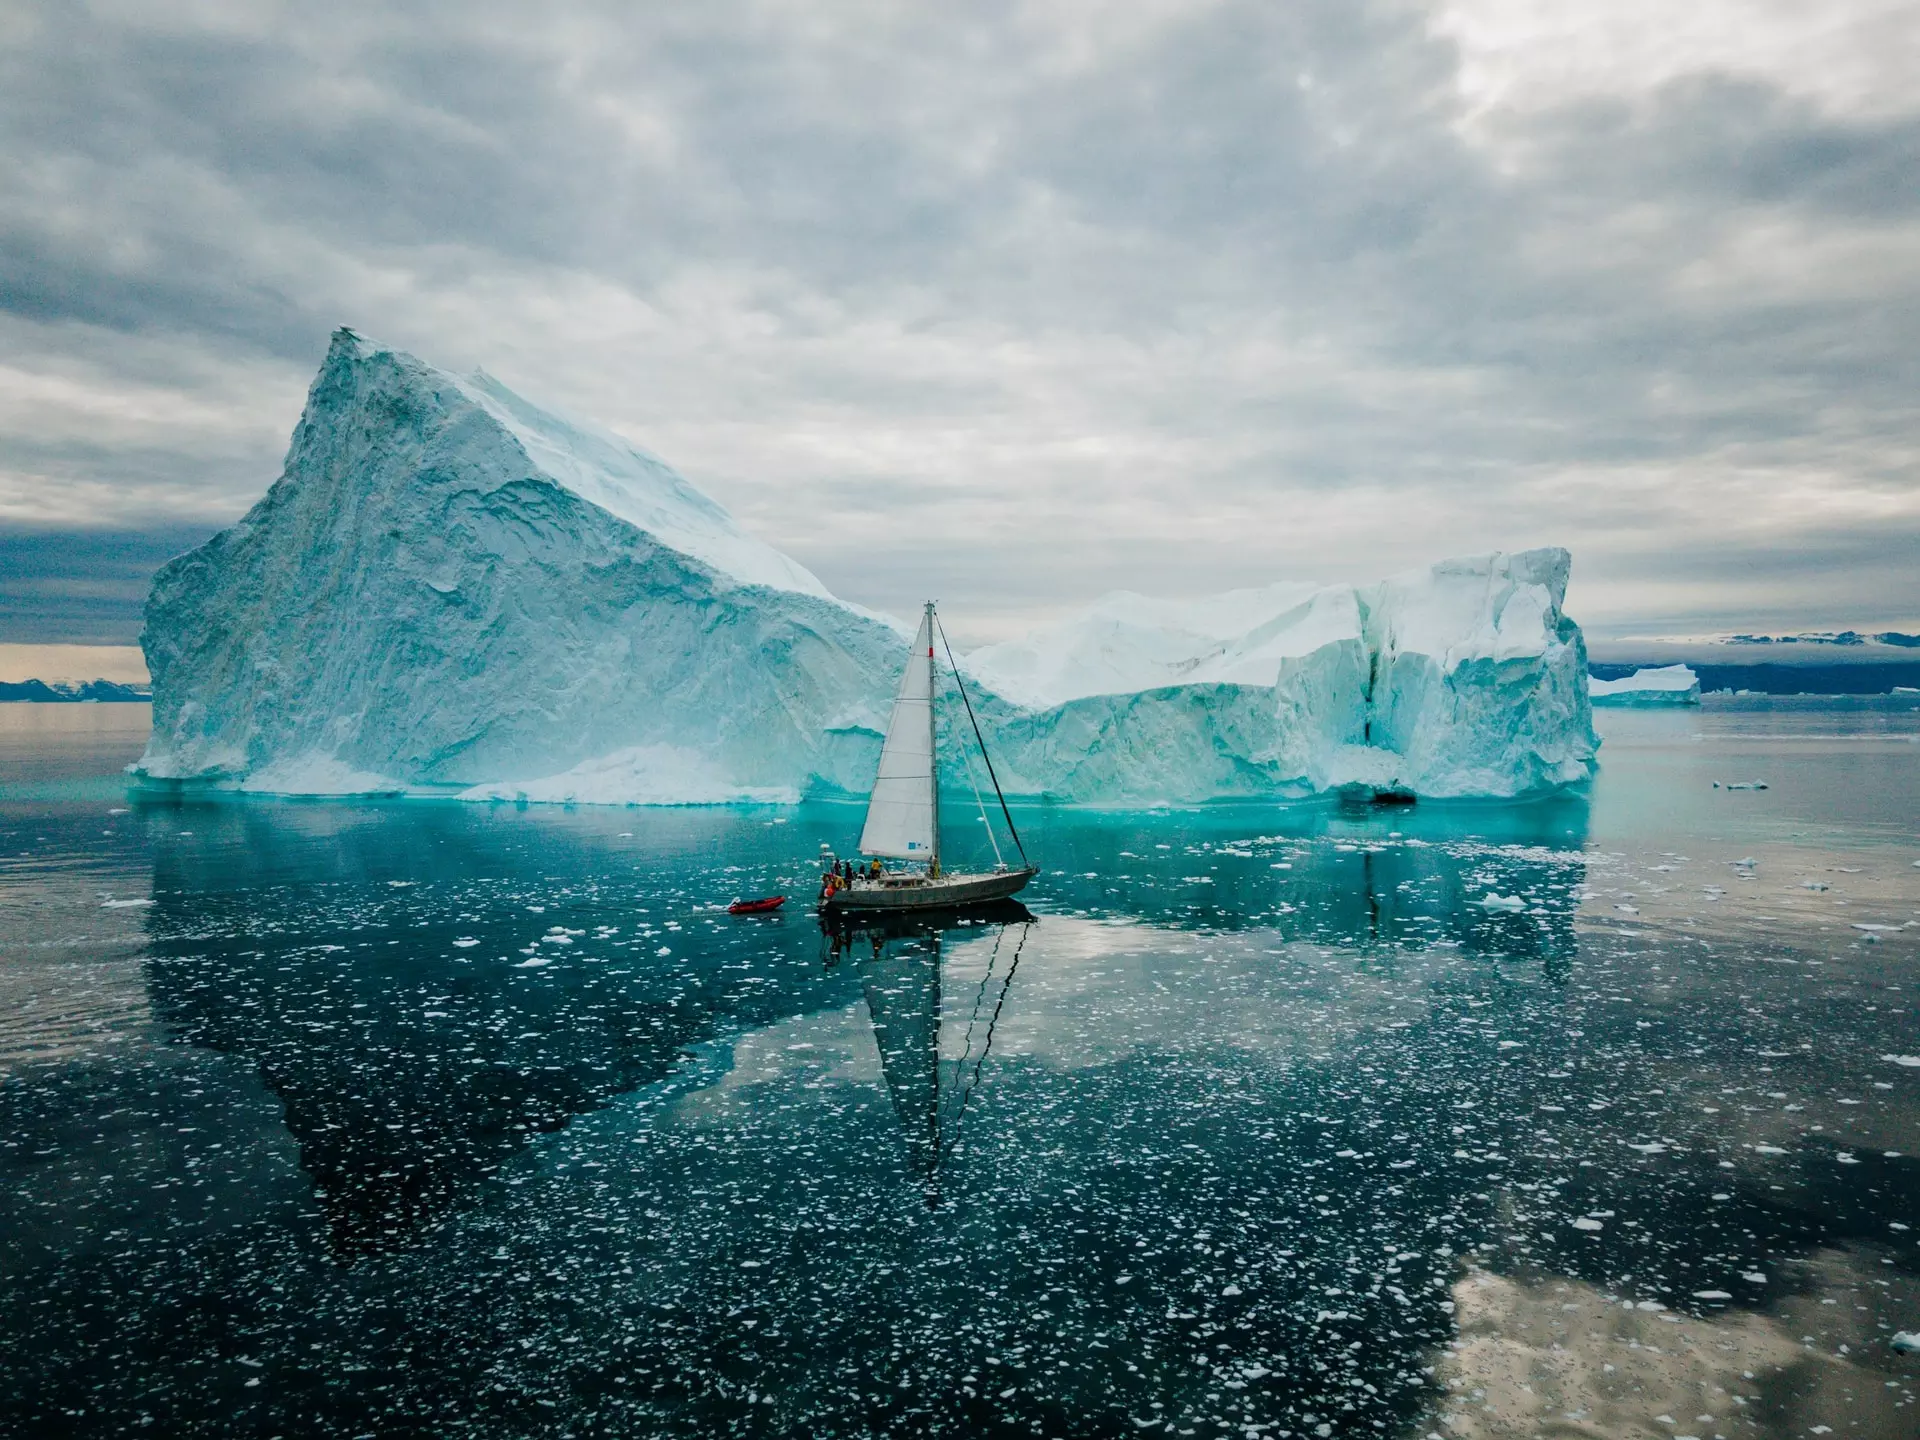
point(1648, 686)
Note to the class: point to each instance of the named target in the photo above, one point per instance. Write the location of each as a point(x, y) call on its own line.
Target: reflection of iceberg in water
point(1357, 877)
point(901, 970)
point(371, 967)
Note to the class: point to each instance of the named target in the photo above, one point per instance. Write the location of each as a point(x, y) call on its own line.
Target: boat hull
point(949, 892)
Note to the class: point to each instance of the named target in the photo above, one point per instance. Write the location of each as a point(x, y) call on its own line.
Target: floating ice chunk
point(1656, 685)
point(1587, 1222)
point(534, 964)
point(1495, 901)
point(112, 904)
point(1712, 1295)
point(1910, 1061)
point(1907, 1342)
point(465, 942)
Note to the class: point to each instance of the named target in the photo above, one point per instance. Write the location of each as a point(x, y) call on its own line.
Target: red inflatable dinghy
point(756, 907)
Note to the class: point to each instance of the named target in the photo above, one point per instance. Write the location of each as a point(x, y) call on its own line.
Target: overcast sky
point(1011, 303)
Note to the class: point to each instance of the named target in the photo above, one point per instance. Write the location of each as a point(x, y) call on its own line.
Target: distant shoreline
point(92, 692)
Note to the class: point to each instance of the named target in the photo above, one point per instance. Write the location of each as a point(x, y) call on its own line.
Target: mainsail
point(903, 814)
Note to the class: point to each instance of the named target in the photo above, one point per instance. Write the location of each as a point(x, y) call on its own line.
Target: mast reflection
point(901, 961)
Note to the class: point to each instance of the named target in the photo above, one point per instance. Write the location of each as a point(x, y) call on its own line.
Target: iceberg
point(1658, 685)
point(449, 588)
point(1463, 679)
point(452, 590)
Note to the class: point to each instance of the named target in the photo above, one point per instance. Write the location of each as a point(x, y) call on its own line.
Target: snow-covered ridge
point(450, 589)
point(1126, 642)
point(622, 479)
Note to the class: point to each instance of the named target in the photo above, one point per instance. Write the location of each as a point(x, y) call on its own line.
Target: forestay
point(901, 815)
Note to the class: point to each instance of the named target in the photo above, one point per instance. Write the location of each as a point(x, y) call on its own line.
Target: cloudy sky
point(1010, 303)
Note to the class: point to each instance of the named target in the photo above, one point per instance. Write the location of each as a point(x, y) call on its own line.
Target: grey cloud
point(87, 587)
point(1250, 249)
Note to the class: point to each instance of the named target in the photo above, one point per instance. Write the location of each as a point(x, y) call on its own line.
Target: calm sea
point(1590, 1117)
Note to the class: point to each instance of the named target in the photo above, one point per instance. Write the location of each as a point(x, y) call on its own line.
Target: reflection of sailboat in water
point(906, 982)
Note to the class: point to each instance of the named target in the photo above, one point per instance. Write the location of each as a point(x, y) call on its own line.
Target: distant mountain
point(40, 692)
point(1895, 638)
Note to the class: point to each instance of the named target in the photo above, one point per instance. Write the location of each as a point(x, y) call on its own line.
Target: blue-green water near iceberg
point(1591, 1116)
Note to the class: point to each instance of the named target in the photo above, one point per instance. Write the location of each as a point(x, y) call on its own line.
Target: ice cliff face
point(451, 588)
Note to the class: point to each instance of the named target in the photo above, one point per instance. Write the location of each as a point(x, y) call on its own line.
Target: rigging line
point(974, 781)
point(992, 1024)
point(998, 795)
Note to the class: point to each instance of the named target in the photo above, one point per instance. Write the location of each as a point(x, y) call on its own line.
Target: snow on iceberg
point(451, 589)
point(1656, 685)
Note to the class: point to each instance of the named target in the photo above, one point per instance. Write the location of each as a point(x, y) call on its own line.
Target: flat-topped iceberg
point(452, 590)
point(1648, 686)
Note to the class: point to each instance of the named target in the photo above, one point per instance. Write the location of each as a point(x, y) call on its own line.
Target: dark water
point(433, 1119)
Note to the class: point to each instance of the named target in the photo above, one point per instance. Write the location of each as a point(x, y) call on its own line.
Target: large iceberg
point(452, 590)
point(450, 587)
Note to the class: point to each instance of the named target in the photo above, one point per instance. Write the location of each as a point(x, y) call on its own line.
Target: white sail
point(903, 812)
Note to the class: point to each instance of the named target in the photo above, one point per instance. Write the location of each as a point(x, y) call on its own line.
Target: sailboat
point(903, 813)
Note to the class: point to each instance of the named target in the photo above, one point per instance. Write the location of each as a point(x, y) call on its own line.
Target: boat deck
point(919, 892)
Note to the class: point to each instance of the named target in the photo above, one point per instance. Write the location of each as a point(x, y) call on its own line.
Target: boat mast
point(933, 753)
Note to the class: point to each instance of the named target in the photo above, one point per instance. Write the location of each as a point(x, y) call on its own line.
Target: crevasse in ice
point(450, 588)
